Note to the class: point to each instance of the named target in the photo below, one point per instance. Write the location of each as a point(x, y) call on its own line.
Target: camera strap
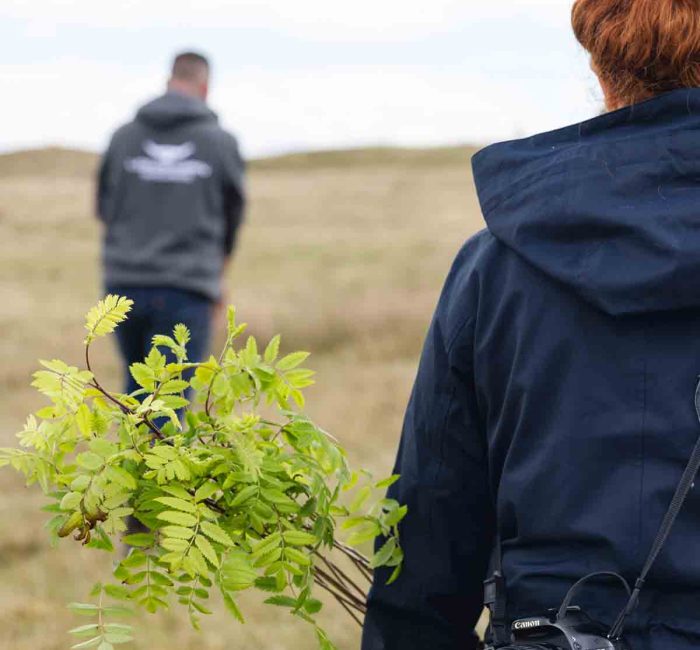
point(686, 484)
point(496, 601)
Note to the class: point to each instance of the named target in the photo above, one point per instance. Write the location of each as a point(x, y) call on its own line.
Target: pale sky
point(297, 74)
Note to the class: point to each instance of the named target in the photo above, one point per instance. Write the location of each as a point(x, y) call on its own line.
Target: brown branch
point(340, 597)
point(124, 408)
point(340, 601)
point(352, 553)
point(343, 591)
point(360, 562)
point(342, 576)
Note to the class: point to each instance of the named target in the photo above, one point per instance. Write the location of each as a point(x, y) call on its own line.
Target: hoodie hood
point(174, 109)
point(609, 207)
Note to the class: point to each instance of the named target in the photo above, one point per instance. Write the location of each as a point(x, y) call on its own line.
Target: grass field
point(344, 253)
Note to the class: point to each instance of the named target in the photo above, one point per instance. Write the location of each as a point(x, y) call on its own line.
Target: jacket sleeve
point(234, 192)
point(104, 186)
point(448, 531)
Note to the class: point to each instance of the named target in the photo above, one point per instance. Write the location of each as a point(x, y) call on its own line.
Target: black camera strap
point(686, 484)
point(496, 601)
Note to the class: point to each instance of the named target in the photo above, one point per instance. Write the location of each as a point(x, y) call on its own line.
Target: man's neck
point(184, 88)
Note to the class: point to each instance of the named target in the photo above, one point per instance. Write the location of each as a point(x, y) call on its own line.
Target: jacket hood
point(173, 109)
point(609, 207)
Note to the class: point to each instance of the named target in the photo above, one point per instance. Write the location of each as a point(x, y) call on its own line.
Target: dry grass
point(344, 253)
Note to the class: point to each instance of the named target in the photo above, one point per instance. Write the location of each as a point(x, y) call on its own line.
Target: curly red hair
point(640, 48)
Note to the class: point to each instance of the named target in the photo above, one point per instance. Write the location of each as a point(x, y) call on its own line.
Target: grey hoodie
point(171, 195)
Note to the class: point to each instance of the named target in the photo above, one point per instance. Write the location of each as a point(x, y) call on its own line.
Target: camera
point(574, 631)
point(566, 628)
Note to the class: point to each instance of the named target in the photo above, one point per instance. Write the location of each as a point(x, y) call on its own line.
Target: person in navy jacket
point(554, 397)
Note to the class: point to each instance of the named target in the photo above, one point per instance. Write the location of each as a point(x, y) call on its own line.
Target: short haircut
point(190, 66)
point(641, 48)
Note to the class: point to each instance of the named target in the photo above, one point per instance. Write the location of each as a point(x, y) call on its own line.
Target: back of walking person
point(554, 403)
point(171, 197)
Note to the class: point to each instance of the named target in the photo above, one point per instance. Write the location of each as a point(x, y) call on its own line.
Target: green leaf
point(177, 531)
point(175, 544)
point(195, 556)
point(174, 401)
point(387, 482)
point(281, 601)
point(394, 575)
point(364, 533)
point(324, 642)
point(204, 545)
point(199, 607)
point(89, 460)
point(118, 592)
point(395, 516)
point(299, 538)
point(237, 569)
point(104, 317)
point(182, 334)
point(103, 448)
point(245, 494)
point(121, 476)
point(205, 490)
point(143, 376)
point(84, 630)
point(160, 579)
point(91, 643)
point(178, 518)
point(161, 340)
point(295, 555)
point(292, 360)
point(360, 499)
point(232, 607)
point(155, 360)
point(71, 501)
point(383, 555)
point(266, 544)
point(134, 560)
point(312, 606)
point(178, 504)
point(83, 609)
point(176, 490)
point(117, 610)
point(272, 349)
point(174, 386)
point(215, 533)
point(80, 483)
point(118, 638)
point(276, 496)
point(83, 418)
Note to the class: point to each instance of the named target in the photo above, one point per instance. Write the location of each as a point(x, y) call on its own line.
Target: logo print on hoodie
point(168, 163)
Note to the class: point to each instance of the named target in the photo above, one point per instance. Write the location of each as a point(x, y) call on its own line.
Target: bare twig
point(124, 408)
point(342, 576)
point(342, 590)
point(342, 603)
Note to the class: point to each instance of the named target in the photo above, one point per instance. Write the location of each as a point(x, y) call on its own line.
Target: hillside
point(61, 162)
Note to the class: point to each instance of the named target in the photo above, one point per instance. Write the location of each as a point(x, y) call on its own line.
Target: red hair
point(640, 48)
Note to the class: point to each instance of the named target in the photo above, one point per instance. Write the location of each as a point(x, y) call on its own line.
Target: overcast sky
point(297, 74)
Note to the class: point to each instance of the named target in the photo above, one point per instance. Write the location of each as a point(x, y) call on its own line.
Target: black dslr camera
point(569, 628)
point(575, 631)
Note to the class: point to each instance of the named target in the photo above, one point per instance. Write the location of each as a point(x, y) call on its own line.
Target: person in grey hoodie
point(170, 193)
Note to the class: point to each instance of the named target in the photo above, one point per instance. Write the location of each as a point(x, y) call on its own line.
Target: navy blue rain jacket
point(554, 398)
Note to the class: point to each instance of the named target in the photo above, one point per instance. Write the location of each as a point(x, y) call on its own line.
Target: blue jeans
point(157, 310)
